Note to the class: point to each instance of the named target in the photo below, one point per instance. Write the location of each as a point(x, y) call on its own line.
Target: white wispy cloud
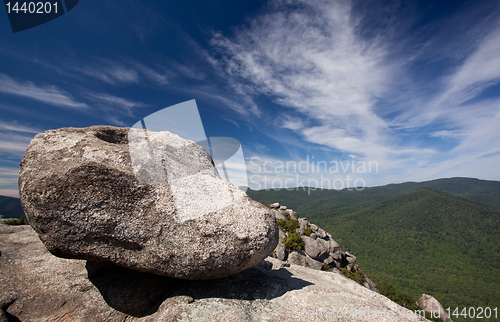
point(16, 127)
point(478, 71)
point(14, 139)
point(472, 124)
point(213, 94)
point(188, 79)
point(154, 75)
point(124, 71)
point(8, 180)
point(293, 123)
point(13, 144)
point(9, 172)
point(46, 94)
point(115, 100)
point(309, 58)
point(113, 107)
point(108, 72)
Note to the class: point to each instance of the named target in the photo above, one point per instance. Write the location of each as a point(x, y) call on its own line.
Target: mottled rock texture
point(149, 201)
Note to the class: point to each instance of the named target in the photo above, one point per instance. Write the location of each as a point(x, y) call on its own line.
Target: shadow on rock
point(131, 292)
point(140, 294)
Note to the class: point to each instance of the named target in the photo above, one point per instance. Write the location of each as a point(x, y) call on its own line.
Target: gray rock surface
point(324, 246)
point(334, 246)
point(278, 215)
point(281, 253)
point(370, 285)
point(150, 201)
point(38, 286)
point(281, 235)
point(337, 255)
point(429, 304)
point(329, 260)
point(297, 258)
point(312, 247)
point(312, 263)
point(351, 258)
point(320, 252)
point(321, 233)
point(293, 214)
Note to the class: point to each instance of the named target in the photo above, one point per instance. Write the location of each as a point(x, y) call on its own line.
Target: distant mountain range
point(10, 207)
point(439, 237)
point(302, 200)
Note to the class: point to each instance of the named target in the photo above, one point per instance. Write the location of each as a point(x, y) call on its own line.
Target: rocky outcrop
point(37, 286)
point(149, 201)
point(431, 305)
point(320, 250)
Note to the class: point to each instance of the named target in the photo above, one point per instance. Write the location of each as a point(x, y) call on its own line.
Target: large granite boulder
point(37, 286)
point(149, 201)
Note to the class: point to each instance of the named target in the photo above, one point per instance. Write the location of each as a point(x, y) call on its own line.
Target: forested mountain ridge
point(10, 207)
point(417, 237)
point(300, 199)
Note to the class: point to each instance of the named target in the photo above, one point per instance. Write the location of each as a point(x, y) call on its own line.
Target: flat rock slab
point(37, 286)
point(149, 201)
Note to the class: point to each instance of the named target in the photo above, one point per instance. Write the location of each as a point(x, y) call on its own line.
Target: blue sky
point(411, 86)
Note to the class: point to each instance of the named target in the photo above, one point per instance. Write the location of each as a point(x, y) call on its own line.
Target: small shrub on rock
point(16, 222)
point(356, 276)
point(289, 225)
point(264, 203)
point(308, 231)
point(293, 242)
point(403, 299)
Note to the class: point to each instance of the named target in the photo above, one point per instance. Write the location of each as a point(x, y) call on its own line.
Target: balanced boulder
point(149, 201)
